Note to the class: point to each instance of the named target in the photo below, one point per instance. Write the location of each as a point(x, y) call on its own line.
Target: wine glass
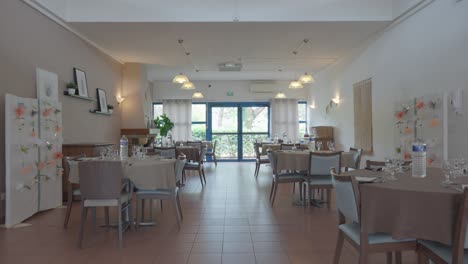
point(319, 146)
point(390, 169)
point(447, 170)
point(331, 146)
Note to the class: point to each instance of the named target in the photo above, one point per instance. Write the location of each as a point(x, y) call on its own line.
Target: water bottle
point(123, 147)
point(419, 159)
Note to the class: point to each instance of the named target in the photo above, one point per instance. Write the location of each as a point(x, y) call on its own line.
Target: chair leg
point(84, 214)
point(272, 188)
point(174, 201)
point(422, 259)
point(161, 204)
point(106, 217)
point(203, 173)
point(69, 208)
point(363, 256)
point(215, 160)
point(329, 197)
point(137, 220)
point(179, 207)
point(200, 175)
point(339, 247)
point(130, 213)
point(256, 169)
point(183, 176)
point(294, 187)
point(120, 230)
point(389, 258)
point(300, 191)
point(398, 259)
point(274, 194)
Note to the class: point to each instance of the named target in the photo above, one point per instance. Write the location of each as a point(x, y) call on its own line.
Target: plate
point(365, 179)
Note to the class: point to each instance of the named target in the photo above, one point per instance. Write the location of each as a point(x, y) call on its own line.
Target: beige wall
point(29, 40)
point(135, 87)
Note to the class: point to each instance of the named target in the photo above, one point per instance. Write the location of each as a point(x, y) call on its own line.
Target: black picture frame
point(81, 81)
point(102, 100)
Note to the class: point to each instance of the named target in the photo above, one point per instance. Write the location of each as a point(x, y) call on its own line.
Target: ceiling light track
point(303, 43)
point(188, 54)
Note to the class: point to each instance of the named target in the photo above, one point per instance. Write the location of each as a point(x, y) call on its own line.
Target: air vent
point(263, 86)
point(230, 66)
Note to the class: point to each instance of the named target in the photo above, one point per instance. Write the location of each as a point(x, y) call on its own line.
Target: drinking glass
point(103, 153)
point(331, 146)
point(390, 169)
point(319, 146)
point(447, 170)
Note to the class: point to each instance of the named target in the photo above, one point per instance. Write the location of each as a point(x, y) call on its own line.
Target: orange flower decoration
point(58, 155)
point(400, 115)
point(58, 129)
point(51, 162)
point(434, 122)
point(429, 161)
point(47, 112)
point(407, 156)
point(19, 111)
point(420, 105)
point(40, 166)
point(25, 169)
point(408, 130)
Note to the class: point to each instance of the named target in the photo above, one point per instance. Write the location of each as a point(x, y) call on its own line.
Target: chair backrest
point(320, 163)
point(202, 155)
point(100, 179)
point(347, 199)
point(357, 157)
point(169, 152)
point(214, 146)
point(196, 144)
point(257, 149)
point(272, 157)
point(372, 164)
point(460, 237)
point(179, 168)
point(287, 146)
point(68, 160)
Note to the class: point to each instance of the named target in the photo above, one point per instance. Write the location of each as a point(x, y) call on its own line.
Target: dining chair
point(357, 153)
point(102, 185)
point(259, 158)
point(197, 165)
point(212, 153)
point(375, 165)
point(457, 253)
point(287, 146)
point(352, 229)
point(318, 175)
point(73, 189)
point(279, 177)
point(196, 144)
point(171, 194)
point(166, 152)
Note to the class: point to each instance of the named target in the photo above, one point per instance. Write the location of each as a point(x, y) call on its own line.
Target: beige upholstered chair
point(259, 158)
point(212, 153)
point(72, 189)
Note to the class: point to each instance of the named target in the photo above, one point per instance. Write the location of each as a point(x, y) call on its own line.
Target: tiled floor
point(228, 221)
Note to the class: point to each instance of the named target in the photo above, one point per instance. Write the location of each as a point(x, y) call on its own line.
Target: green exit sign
point(230, 93)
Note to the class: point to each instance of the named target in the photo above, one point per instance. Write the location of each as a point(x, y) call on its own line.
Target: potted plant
point(110, 108)
point(72, 88)
point(164, 124)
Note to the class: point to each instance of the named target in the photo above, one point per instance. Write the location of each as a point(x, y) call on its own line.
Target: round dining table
point(410, 207)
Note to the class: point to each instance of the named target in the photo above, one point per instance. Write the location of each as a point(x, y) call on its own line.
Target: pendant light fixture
point(295, 85)
point(197, 95)
point(306, 78)
point(187, 86)
point(280, 95)
point(180, 78)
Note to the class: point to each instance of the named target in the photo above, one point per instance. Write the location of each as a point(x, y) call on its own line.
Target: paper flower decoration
point(430, 161)
point(51, 162)
point(19, 111)
point(58, 155)
point(58, 129)
point(40, 165)
point(24, 149)
point(33, 133)
point(406, 156)
point(399, 115)
point(25, 169)
point(408, 130)
point(47, 112)
point(434, 122)
point(432, 104)
point(420, 105)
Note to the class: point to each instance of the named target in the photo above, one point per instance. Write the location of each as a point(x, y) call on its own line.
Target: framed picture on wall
point(102, 100)
point(81, 82)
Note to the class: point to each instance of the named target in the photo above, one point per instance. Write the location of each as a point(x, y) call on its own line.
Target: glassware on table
point(103, 153)
point(447, 170)
point(390, 169)
point(331, 145)
point(319, 146)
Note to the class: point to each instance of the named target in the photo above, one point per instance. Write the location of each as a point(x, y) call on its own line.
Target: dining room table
point(409, 207)
point(150, 172)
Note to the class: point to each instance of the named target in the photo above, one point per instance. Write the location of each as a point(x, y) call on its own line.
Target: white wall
point(427, 53)
point(218, 90)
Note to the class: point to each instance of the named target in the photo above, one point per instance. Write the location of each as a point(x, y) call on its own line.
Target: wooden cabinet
point(87, 149)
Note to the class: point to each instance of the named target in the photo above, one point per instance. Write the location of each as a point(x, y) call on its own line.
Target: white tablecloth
point(149, 173)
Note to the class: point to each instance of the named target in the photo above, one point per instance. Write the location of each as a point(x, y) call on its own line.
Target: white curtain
point(284, 119)
point(180, 112)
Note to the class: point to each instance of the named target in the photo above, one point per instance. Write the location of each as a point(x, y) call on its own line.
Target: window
point(302, 117)
point(157, 110)
point(199, 121)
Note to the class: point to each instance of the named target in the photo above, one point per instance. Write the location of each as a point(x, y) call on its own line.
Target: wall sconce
point(336, 100)
point(119, 99)
point(312, 106)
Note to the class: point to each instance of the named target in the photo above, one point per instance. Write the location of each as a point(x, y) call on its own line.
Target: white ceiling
point(139, 31)
point(263, 48)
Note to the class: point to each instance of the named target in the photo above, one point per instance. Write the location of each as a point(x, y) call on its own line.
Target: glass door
point(236, 126)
